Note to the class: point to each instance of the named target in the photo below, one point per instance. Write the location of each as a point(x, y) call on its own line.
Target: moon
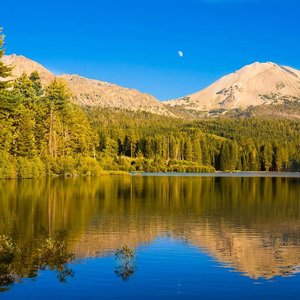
point(180, 53)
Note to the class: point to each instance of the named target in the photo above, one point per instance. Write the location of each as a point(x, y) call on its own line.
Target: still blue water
point(209, 238)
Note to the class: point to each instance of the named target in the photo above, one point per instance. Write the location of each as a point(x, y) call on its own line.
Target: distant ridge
point(89, 92)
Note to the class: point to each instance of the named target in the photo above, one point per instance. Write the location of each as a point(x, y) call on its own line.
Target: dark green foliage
point(44, 134)
point(37, 85)
point(24, 91)
point(267, 156)
point(8, 165)
point(150, 143)
point(5, 71)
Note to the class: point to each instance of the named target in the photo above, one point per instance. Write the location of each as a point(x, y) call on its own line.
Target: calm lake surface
point(194, 237)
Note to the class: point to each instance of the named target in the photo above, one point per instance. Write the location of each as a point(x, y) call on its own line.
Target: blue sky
point(135, 43)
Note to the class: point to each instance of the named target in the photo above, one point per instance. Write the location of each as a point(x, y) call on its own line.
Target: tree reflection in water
point(249, 224)
point(50, 252)
point(8, 250)
point(125, 257)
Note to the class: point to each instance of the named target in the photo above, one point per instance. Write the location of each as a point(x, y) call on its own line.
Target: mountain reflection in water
point(249, 224)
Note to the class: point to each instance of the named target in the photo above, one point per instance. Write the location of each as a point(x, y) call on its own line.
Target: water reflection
point(125, 257)
point(250, 224)
point(16, 263)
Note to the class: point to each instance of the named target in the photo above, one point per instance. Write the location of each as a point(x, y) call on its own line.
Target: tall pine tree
point(5, 71)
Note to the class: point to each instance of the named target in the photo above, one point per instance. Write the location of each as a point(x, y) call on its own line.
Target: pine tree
point(197, 151)
point(24, 92)
point(174, 148)
point(234, 155)
point(188, 150)
point(267, 154)
point(57, 96)
point(5, 71)
point(205, 154)
point(149, 148)
point(225, 157)
point(24, 144)
point(68, 129)
point(36, 81)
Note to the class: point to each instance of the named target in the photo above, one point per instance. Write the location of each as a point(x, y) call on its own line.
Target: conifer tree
point(36, 81)
point(197, 152)
point(24, 92)
point(24, 144)
point(225, 157)
point(5, 71)
point(188, 150)
point(57, 96)
point(205, 154)
point(267, 155)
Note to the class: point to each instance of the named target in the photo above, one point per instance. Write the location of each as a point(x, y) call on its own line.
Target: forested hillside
point(153, 143)
point(43, 133)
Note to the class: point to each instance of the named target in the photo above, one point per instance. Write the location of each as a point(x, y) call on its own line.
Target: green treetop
point(37, 85)
point(5, 71)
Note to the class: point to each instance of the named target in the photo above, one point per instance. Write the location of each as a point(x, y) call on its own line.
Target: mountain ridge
point(253, 85)
point(91, 92)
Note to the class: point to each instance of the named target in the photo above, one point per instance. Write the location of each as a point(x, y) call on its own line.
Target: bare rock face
point(255, 84)
point(95, 93)
point(89, 92)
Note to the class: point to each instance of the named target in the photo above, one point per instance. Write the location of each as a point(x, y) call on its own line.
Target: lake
point(190, 237)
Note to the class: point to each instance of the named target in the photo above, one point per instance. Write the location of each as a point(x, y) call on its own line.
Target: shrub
point(30, 168)
point(88, 166)
point(7, 166)
point(63, 166)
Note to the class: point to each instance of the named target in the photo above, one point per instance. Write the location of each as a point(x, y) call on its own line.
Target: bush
point(8, 167)
point(88, 166)
point(30, 168)
point(63, 166)
point(109, 163)
point(125, 163)
point(188, 167)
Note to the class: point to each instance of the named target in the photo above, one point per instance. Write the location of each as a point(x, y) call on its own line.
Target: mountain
point(89, 92)
point(253, 85)
point(22, 65)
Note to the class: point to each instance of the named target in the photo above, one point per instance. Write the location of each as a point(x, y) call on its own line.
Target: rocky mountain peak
point(252, 85)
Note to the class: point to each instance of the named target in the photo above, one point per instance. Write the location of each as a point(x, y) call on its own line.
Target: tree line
point(245, 144)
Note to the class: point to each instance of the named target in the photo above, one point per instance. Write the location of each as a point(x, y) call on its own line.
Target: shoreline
point(222, 174)
point(236, 174)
